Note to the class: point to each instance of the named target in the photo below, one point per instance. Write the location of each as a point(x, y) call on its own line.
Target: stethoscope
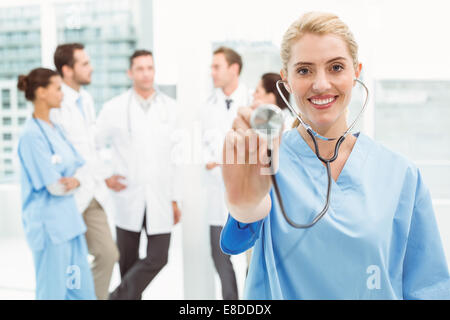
point(56, 158)
point(128, 111)
point(274, 119)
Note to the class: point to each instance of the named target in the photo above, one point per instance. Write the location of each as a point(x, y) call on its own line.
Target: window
point(6, 104)
point(6, 121)
point(21, 120)
point(6, 94)
point(7, 137)
point(22, 105)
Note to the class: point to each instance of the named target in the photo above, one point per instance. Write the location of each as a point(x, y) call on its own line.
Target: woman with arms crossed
point(54, 227)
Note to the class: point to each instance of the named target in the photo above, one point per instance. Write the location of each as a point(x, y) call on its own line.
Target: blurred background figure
point(138, 125)
point(405, 101)
point(218, 114)
point(53, 225)
point(266, 92)
point(77, 118)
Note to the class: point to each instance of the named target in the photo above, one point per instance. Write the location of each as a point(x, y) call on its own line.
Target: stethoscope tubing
point(327, 162)
point(52, 150)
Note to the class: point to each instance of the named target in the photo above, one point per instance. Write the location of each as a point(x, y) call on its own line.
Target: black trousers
point(223, 266)
point(137, 273)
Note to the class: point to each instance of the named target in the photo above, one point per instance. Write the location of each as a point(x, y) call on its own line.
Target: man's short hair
point(139, 53)
point(64, 55)
point(231, 56)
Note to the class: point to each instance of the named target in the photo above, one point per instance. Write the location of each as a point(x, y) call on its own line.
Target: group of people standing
point(67, 184)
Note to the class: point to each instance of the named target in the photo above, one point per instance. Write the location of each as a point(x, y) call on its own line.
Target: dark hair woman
point(266, 92)
point(54, 228)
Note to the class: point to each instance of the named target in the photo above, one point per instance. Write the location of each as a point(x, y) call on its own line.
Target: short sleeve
point(237, 237)
point(425, 270)
point(35, 157)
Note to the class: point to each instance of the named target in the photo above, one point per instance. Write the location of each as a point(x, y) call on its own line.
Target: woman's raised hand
point(247, 169)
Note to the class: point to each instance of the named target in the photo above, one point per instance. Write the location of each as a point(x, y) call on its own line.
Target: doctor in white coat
point(217, 118)
point(138, 125)
point(77, 118)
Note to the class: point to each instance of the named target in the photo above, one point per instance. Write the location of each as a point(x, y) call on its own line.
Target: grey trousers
point(223, 265)
point(136, 274)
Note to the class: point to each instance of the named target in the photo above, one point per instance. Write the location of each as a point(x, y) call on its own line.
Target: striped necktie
point(228, 102)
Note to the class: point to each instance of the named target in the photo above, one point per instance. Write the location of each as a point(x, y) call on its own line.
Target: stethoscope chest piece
point(267, 121)
point(56, 159)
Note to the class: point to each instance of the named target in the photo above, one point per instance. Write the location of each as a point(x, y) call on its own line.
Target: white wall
point(10, 211)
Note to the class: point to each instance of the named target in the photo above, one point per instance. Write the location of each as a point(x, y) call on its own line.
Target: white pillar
point(180, 42)
point(48, 34)
point(191, 91)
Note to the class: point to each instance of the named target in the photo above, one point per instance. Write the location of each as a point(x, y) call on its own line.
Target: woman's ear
point(358, 70)
point(40, 93)
point(285, 83)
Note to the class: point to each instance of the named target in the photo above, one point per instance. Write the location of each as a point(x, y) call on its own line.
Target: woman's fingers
point(241, 123)
point(243, 145)
point(245, 113)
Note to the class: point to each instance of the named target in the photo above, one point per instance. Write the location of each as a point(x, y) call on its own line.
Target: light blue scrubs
point(53, 226)
point(378, 240)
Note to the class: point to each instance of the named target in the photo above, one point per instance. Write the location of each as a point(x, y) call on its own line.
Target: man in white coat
point(217, 118)
point(138, 125)
point(77, 118)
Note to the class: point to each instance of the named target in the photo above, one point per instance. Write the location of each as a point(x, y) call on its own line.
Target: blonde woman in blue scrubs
point(53, 226)
point(379, 238)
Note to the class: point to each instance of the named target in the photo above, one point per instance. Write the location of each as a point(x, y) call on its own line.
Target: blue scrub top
point(42, 213)
point(378, 240)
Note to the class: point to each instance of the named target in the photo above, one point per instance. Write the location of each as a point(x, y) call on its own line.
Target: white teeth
point(322, 102)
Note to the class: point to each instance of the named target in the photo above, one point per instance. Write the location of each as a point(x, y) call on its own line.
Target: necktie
point(80, 105)
point(228, 102)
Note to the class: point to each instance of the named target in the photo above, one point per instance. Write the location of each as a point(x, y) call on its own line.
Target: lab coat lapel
point(138, 141)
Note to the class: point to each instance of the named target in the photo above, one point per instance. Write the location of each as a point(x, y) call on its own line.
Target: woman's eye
point(302, 71)
point(337, 67)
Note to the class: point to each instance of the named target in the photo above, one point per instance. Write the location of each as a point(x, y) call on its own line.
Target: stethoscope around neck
point(55, 158)
point(267, 120)
point(163, 118)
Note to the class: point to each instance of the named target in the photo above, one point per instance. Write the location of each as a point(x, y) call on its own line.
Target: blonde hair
point(319, 23)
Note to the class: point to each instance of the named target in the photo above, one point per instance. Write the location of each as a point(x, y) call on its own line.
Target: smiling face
point(321, 73)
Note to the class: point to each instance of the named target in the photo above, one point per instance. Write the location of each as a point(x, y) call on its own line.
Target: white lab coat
point(80, 131)
point(141, 148)
point(216, 122)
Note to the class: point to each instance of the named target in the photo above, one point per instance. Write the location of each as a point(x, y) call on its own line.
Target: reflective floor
point(17, 272)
